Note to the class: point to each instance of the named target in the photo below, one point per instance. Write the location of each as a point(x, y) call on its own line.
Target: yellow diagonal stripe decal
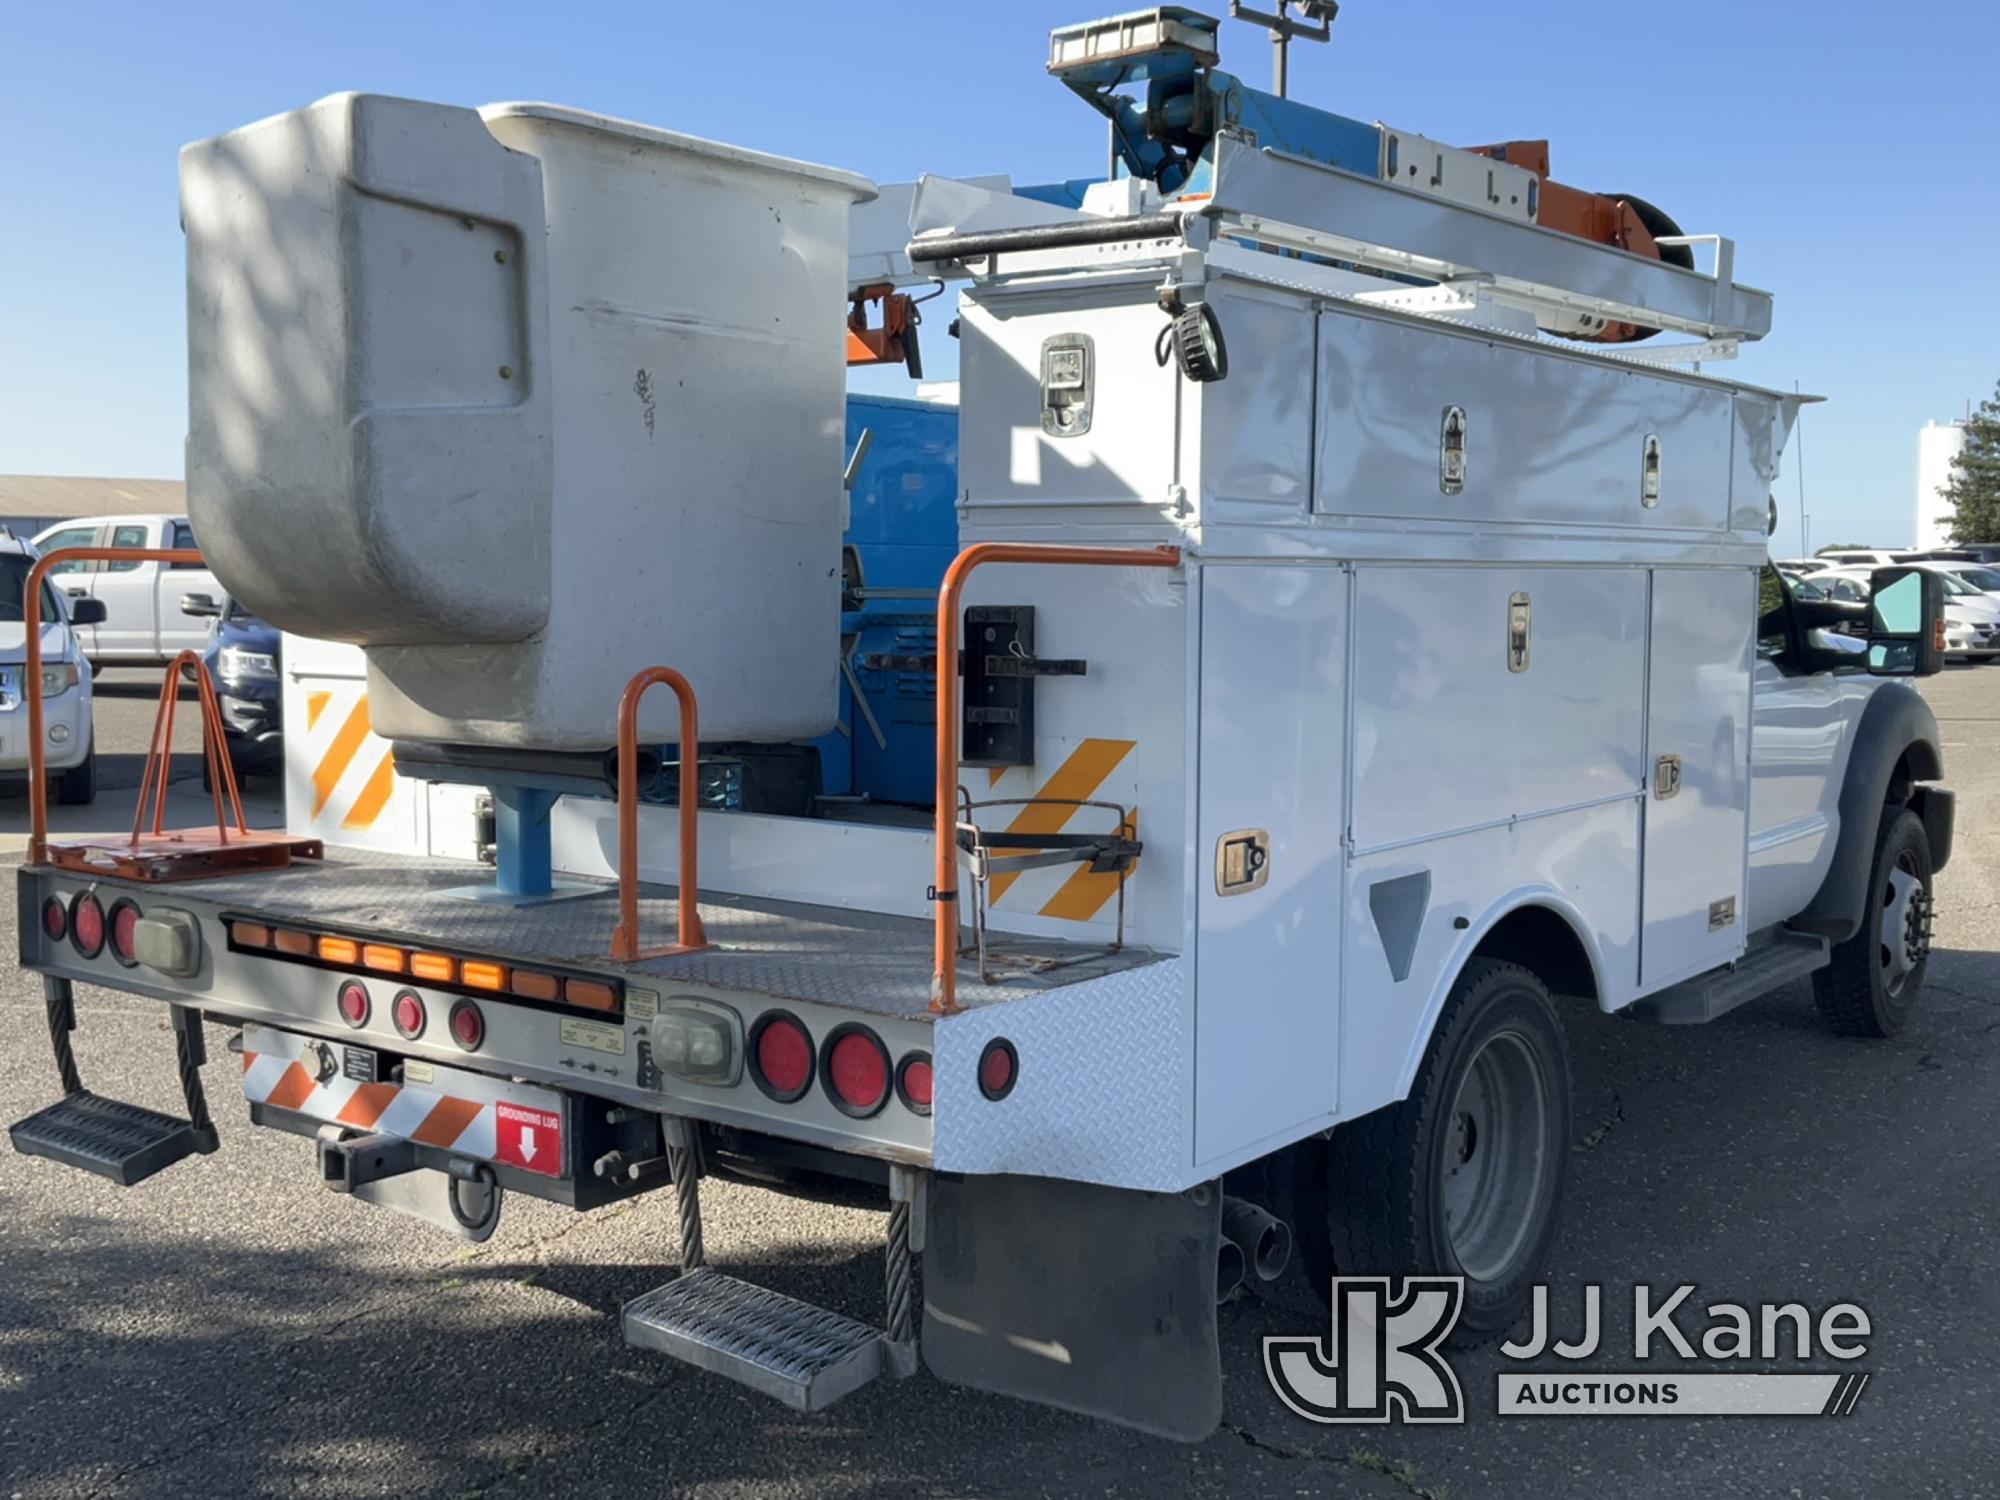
point(1074, 780)
point(1083, 895)
point(339, 755)
point(374, 796)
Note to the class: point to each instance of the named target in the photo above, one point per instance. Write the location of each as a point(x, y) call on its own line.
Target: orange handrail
point(31, 616)
point(944, 892)
point(160, 751)
point(625, 939)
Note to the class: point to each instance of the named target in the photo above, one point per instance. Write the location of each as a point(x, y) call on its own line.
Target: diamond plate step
point(124, 1142)
point(804, 1355)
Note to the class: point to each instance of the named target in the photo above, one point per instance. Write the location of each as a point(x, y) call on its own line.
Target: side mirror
point(88, 612)
point(1905, 622)
point(201, 606)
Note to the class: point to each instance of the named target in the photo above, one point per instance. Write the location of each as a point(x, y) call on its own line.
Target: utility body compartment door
point(1698, 771)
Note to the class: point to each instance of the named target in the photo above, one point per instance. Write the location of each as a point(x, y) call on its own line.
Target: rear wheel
point(1871, 986)
point(1464, 1177)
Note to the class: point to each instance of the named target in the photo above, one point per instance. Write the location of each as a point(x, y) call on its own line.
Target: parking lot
point(230, 1328)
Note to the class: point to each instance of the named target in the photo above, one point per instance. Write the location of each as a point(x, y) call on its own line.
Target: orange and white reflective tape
point(1071, 893)
point(353, 772)
point(453, 1110)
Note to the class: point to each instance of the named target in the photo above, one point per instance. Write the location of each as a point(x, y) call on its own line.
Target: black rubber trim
point(999, 1044)
point(903, 1093)
point(757, 1027)
point(111, 931)
point(104, 924)
point(1896, 720)
point(839, 1034)
point(950, 247)
point(396, 1021)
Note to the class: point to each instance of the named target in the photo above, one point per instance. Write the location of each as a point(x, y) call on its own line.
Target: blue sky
point(1849, 150)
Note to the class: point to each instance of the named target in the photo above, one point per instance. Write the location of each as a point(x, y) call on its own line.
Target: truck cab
point(143, 621)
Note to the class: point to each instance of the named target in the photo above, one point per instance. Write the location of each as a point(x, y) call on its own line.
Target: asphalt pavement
point(229, 1328)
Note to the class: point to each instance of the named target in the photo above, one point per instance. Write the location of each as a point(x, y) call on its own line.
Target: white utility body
point(1351, 673)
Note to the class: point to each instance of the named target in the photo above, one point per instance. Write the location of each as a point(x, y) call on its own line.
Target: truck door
point(126, 590)
point(1268, 859)
point(1698, 771)
point(74, 578)
point(179, 632)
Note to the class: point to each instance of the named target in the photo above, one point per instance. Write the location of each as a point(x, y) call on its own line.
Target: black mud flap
point(1098, 1300)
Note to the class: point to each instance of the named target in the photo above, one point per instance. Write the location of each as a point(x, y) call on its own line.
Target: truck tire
point(1871, 986)
point(1464, 1177)
point(77, 787)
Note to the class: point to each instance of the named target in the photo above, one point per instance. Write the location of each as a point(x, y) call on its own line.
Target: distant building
point(1937, 445)
point(31, 502)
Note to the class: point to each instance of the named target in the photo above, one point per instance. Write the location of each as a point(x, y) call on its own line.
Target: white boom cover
point(523, 400)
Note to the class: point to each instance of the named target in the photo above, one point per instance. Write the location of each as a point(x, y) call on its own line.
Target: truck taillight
point(468, 1026)
point(353, 1002)
point(855, 1068)
point(781, 1056)
point(408, 1013)
point(999, 1066)
point(913, 1082)
point(86, 925)
point(125, 932)
point(55, 919)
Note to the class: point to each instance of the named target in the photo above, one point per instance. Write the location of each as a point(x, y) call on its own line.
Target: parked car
point(1973, 552)
point(1862, 557)
point(243, 658)
point(66, 696)
point(1979, 575)
point(1800, 567)
point(1971, 617)
point(143, 623)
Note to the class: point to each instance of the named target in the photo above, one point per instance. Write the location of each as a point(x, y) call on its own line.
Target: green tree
point(1973, 491)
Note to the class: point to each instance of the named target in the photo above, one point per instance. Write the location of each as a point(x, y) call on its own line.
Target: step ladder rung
point(126, 1142)
point(804, 1355)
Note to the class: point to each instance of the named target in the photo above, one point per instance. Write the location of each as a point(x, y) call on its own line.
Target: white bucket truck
point(1348, 668)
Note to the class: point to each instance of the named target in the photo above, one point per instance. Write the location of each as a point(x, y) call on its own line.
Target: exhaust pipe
point(1263, 1242)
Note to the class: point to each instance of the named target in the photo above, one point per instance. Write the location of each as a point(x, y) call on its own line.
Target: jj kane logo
point(1384, 1360)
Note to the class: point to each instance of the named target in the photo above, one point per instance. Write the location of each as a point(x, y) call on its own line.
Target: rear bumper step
point(125, 1142)
point(805, 1356)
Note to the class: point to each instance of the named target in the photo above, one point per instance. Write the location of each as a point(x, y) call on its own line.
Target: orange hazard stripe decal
point(374, 796)
point(446, 1122)
point(339, 755)
point(367, 1105)
point(315, 706)
point(1074, 780)
point(293, 1089)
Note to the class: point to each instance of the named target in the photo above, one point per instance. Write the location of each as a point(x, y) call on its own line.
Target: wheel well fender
point(1536, 927)
point(1895, 747)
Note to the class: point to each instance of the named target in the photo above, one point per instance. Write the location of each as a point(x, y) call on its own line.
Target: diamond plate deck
point(786, 950)
point(124, 1142)
point(805, 1356)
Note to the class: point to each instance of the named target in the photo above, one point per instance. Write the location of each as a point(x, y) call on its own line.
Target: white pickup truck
point(143, 622)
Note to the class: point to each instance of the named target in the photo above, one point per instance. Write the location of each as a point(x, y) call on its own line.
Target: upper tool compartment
point(523, 399)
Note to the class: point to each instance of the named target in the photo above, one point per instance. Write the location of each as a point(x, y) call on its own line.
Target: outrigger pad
point(1098, 1300)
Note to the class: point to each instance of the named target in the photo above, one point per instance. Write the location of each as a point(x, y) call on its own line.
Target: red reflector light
point(125, 932)
point(913, 1082)
point(856, 1071)
point(86, 926)
point(468, 1026)
point(781, 1056)
point(408, 1014)
point(999, 1066)
point(354, 1005)
point(55, 920)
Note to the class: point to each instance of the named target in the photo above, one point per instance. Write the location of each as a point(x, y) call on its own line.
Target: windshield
point(1954, 585)
point(13, 580)
point(1981, 578)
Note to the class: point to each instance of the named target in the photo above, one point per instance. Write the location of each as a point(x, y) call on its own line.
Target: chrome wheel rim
point(1904, 939)
point(1497, 1157)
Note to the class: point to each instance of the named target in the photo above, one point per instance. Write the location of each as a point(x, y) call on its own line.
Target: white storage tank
point(523, 400)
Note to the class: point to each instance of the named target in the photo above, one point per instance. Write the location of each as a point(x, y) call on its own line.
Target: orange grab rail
point(160, 750)
point(625, 939)
point(31, 615)
point(944, 891)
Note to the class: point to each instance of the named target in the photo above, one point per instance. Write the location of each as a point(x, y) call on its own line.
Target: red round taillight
point(999, 1066)
point(125, 932)
point(86, 925)
point(55, 919)
point(854, 1068)
point(913, 1082)
point(468, 1026)
point(353, 1001)
point(781, 1056)
point(408, 1014)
